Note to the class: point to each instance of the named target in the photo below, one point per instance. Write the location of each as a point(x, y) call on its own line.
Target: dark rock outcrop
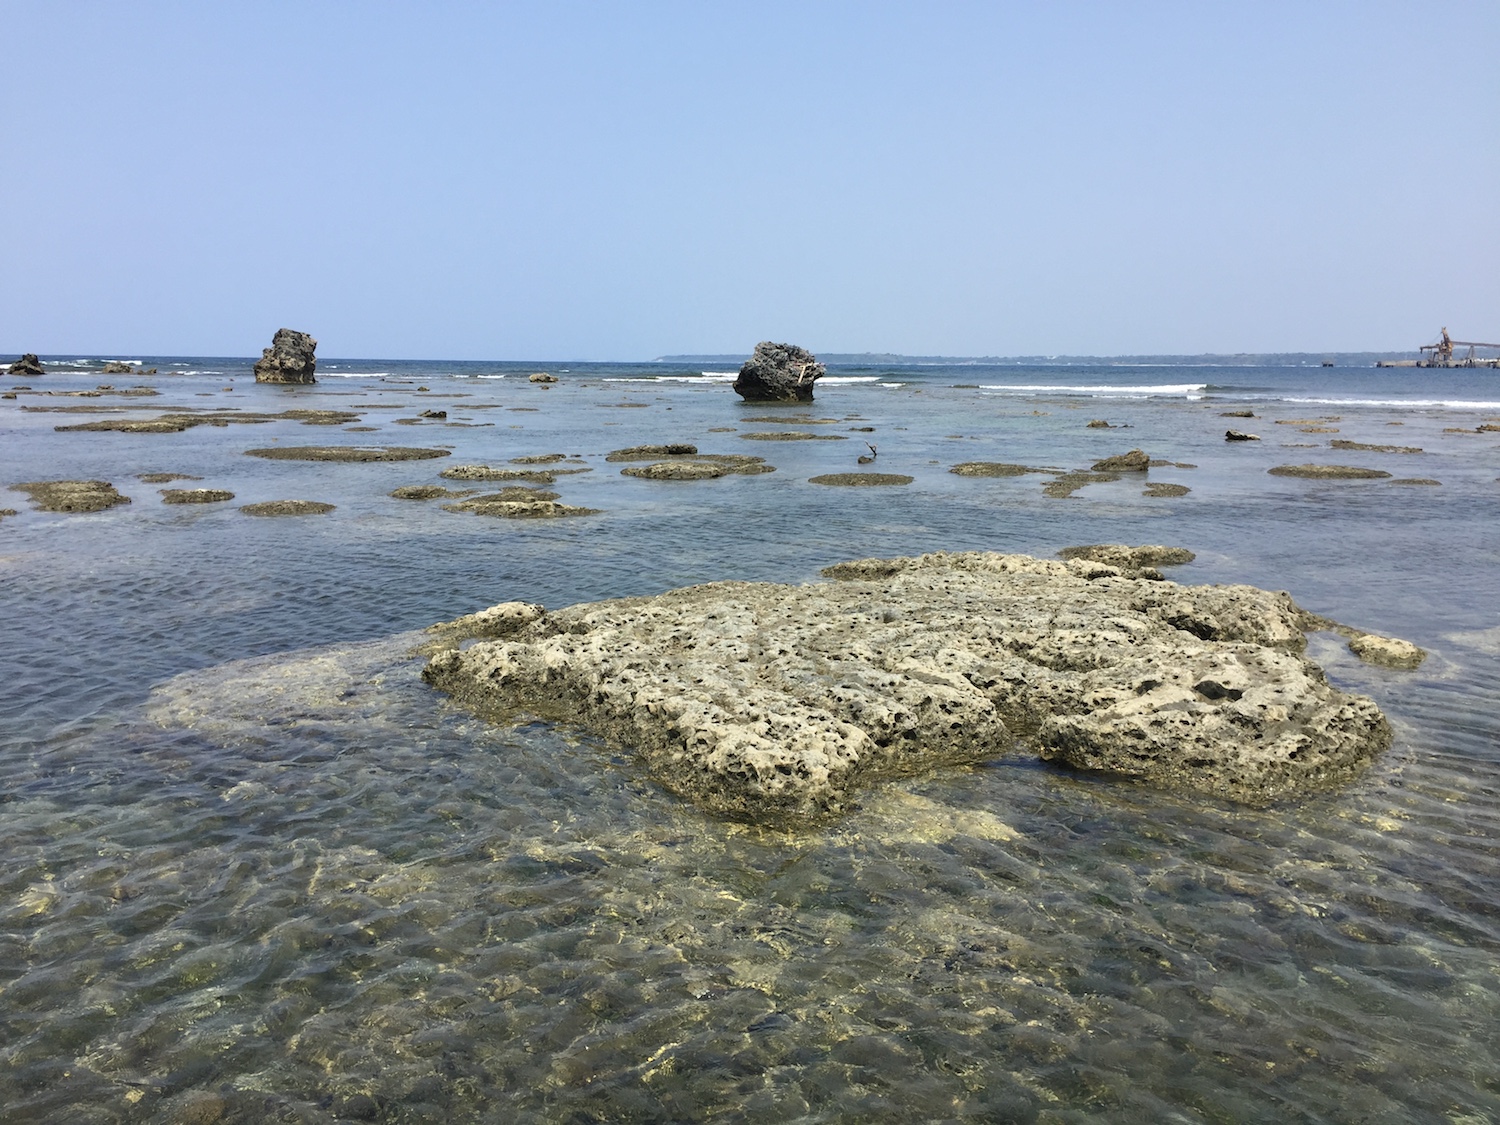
point(779, 373)
point(28, 364)
point(289, 359)
point(1238, 435)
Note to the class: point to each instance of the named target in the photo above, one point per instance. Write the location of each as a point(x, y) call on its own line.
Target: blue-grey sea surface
point(253, 869)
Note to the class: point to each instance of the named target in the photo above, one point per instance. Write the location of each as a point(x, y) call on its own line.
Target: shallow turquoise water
point(247, 878)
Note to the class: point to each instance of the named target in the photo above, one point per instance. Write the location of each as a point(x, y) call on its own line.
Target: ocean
point(253, 869)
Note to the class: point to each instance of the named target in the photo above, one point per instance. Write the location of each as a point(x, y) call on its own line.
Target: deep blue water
point(305, 888)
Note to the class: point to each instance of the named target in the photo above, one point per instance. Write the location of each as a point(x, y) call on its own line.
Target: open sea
point(252, 869)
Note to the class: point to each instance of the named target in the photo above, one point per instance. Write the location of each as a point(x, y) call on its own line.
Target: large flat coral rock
point(776, 702)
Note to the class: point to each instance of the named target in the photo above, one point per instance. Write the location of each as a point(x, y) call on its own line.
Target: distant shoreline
point(1212, 359)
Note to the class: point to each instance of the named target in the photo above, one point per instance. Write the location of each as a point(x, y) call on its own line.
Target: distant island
point(1241, 359)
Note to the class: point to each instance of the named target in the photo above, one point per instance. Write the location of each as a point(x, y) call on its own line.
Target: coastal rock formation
point(287, 508)
point(542, 377)
point(28, 364)
point(1364, 447)
point(360, 453)
point(992, 469)
point(536, 507)
point(1328, 472)
point(117, 367)
point(1238, 435)
point(195, 495)
point(862, 480)
point(289, 359)
point(676, 470)
point(776, 703)
point(71, 495)
point(1389, 652)
point(1129, 558)
point(652, 452)
point(429, 492)
point(791, 435)
point(779, 373)
point(1135, 461)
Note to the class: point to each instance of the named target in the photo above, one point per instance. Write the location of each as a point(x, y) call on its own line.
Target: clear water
point(252, 869)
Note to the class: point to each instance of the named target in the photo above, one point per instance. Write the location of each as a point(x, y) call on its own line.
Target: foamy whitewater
point(255, 870)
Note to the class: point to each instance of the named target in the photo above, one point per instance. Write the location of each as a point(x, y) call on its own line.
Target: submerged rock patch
point(195, 495)
point(992, 469)
point(776, 703)
point(357, 453)
point(1328, 472)
point(791, 435)
point(287, 508)
point(164, 478)
point(1161, 490)
point(862, 480)
point(535, 507)
point(1128, 558)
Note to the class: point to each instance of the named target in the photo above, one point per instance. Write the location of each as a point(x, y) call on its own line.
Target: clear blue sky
point(617, 181)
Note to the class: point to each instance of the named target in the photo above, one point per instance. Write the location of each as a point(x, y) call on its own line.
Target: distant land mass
point(1239, 359)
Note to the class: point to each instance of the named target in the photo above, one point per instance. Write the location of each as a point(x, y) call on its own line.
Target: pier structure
point(1441, 354)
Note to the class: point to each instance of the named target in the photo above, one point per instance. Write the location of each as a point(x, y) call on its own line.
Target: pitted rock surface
point(775, 703)
point(291, 358)
point(778, 373)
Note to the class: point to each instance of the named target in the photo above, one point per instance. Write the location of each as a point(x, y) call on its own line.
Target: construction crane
point(1442, 352)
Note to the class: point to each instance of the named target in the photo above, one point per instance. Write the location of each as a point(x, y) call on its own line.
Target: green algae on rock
point(776, 703)
point(71, 495)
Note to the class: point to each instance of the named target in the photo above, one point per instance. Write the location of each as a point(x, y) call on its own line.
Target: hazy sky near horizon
point(617, 181)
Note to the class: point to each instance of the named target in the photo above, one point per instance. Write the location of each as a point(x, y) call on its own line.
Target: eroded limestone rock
point(776, 703)
point(71, 495)
point(778, 373)
point(28, 364)
point(1136, 461)
point(289, 359)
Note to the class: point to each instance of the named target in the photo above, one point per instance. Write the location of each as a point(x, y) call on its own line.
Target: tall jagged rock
point(28, 364)
point(779, 373)
point(289, 359)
